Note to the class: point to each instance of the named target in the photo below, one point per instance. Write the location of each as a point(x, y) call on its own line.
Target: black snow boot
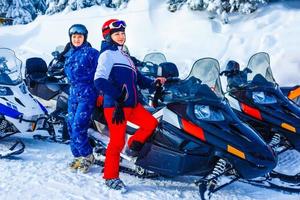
point(134, 149)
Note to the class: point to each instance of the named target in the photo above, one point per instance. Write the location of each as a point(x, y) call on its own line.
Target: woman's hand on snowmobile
point(118, 115)
point(159, 92)
point(162, 80)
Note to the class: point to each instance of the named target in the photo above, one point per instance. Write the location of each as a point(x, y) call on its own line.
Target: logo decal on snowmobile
point(12, 106)
point(294, 93)
point(288, 127)
point(235, 151)
point(8, 111)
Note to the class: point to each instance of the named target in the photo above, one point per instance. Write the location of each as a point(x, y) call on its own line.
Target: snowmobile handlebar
point(160, 92)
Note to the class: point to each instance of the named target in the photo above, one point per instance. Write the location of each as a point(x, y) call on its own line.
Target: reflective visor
point(117, 24)
point(77, 30)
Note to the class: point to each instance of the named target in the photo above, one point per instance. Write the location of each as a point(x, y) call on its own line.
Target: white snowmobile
point(19, 110)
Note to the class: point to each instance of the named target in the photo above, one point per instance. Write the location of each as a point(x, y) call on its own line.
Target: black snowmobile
point(198, 134)
point(258, 100)
point(49, 83)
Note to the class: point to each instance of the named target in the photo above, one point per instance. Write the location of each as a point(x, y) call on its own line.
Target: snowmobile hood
point(231, 137)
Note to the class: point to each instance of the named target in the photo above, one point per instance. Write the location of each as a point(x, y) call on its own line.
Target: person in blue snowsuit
point(80, 66)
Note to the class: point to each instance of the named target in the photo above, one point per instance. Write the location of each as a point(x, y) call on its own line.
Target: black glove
point(158, 95)
point(118, 115)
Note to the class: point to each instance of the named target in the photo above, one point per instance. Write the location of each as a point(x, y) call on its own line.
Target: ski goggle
point(78, 30)
point(117, 24)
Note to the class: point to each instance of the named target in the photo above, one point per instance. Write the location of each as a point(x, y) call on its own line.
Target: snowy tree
point(4, 4)
point(79, 4)
point(119, 3)
point(22, 11)
point(175, 4)
point(40, 6)
point(17, 11)
point(196, 4)
point(55, 6)
point(218, 8)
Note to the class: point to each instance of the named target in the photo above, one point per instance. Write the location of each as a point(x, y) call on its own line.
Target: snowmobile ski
point(294, 179)
point(273, 183)
point(138, 172)
point(17, 148)
point(4, 135)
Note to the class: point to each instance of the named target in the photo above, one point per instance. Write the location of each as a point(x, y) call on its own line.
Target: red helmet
point(111, 26)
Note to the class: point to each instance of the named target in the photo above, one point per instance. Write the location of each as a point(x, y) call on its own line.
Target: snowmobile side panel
point(8, 111)
point(172, 163)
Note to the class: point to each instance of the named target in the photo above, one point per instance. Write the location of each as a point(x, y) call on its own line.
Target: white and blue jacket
point(114, 69)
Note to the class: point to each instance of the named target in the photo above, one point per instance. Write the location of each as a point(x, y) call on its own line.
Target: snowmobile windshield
point(155, 58)
point(10, 67)
point(151, 63)
point(260, 64)
point(208, 71)
point(203, 82)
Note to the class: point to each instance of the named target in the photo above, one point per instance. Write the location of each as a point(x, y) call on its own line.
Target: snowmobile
point(49, 84)
point(19, 110)
point(198, 134)
point(258, 100)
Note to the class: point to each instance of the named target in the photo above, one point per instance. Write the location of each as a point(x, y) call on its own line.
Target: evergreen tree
point(218, 8)
point(40, 6)
point(4, 4)
point(17, 11)
point(55, 6)
point(22, 11)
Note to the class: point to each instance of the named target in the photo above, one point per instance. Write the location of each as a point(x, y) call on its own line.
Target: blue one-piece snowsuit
point(80, 67)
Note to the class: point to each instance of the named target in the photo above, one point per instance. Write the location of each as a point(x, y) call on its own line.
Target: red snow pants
point(137, 115)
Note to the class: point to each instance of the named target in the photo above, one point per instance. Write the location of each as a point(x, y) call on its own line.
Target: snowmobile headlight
point(263, 98)
point(205, 112)
point(5, 91)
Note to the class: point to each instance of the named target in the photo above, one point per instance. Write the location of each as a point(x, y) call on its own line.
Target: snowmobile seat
point(36, 71)
point(36, 66)
point(169, 70)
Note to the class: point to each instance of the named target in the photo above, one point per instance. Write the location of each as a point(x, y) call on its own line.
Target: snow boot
point(134, 149)
point(74, 165)
point(86, 163)
point(116, 184)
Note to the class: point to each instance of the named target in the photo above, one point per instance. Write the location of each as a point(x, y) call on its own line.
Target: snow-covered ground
point(41, 172)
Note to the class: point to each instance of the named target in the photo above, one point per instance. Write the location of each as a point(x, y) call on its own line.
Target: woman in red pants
point(117, 78)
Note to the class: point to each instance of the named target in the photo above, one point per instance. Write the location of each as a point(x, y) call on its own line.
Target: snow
point(41, 173)
point(184, 36)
